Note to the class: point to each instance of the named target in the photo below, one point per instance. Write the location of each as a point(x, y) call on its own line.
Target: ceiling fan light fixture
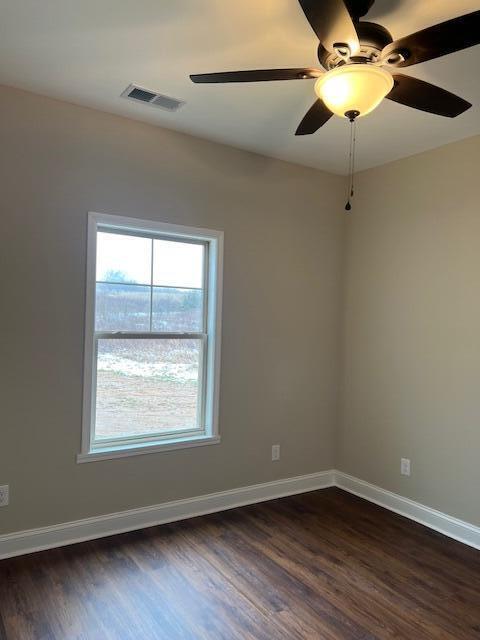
point(354, 88)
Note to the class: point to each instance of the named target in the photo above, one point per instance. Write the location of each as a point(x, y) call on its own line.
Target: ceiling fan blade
point(258, 75)
point(332, 23)
point(426, 97)
point(315, 118)
point(359, 8)
point(434, 42)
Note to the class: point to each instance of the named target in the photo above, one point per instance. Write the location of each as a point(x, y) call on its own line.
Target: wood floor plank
point(393, 575)
point(251, 563)
point(319, 566)
point(216, 597)
point(349, 594)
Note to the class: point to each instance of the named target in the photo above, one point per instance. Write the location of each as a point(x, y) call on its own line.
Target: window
point(152, 337)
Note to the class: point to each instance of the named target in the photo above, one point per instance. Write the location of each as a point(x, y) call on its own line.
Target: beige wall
point(283, 235)
point(411, 383)
point(406, 330)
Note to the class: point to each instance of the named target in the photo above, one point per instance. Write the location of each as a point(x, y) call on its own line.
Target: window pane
point(177, 264)
point(122, 307)
point(123, 258)
point(178, 310)
point(145, 387)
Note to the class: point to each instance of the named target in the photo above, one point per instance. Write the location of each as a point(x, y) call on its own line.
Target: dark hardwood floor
point(323, 565)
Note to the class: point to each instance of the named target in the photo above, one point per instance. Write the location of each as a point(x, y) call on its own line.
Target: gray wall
point(411, 378)
point(283, 239)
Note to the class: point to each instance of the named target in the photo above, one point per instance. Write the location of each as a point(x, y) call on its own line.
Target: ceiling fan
point(360, 59)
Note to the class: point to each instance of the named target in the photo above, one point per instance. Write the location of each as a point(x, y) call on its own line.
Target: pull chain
point(352, 116)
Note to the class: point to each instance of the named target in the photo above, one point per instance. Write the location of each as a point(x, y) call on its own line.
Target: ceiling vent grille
point(140, 94)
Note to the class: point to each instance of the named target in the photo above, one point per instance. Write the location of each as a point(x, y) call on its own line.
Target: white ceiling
point(88, 51)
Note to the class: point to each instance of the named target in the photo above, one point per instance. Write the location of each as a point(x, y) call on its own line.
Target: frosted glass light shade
point(354, 87)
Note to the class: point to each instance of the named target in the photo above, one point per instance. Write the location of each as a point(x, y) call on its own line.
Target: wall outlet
point(405, 467)
point(275, 452)
point(4, 495)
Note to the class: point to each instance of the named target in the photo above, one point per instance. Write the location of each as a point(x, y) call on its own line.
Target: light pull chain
point(351, 164)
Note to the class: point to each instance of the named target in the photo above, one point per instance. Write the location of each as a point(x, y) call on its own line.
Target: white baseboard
point(452, 527)
point(18, 543)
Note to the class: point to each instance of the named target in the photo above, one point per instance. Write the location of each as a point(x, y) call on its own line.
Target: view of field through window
point(147, 385)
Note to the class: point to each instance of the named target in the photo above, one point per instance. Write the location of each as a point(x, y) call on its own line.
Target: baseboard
point(452, 527)
point(22, 542)
point(59, 535)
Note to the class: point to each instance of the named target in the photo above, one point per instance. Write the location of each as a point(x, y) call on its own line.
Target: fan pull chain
point(351, 163)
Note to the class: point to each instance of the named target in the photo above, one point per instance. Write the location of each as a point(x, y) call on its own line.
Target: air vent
point(139, 94)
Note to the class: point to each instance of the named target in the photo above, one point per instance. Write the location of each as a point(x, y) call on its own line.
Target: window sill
point(125, 451)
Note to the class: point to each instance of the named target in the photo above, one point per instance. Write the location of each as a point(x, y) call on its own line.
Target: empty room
point(240, 320)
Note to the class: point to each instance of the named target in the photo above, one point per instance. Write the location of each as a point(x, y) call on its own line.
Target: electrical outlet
point(275, 452)
point(4, 495)
point(405, 467)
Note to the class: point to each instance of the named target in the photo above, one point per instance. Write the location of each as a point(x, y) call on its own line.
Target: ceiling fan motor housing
point(372, 37)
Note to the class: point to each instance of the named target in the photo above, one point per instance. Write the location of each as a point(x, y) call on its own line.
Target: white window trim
point(214, 326)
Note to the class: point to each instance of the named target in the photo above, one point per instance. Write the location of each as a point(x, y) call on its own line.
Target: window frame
point(210, 340)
